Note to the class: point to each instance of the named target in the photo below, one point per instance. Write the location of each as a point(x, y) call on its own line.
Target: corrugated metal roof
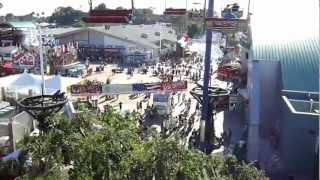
point(130, 33)
point(291, 37)
point(133, 33)
point(299, 61)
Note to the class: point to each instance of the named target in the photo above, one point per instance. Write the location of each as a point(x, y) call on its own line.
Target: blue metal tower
point(207, 121)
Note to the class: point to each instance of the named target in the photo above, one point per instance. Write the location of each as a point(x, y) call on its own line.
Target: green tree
point(66, 16)
point(9, 17)
point(109, 146)
point(120, 8)
point(101, 6)
point(193, 30)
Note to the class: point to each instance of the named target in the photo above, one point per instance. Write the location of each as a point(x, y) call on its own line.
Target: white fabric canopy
point(53, 84)
point(27, 81)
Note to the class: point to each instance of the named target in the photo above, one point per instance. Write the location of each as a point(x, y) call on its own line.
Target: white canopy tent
point(53, 84)
point(23, 84)
point(26, 81)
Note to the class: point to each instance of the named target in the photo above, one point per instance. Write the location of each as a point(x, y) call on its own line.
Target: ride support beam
point(206, 127)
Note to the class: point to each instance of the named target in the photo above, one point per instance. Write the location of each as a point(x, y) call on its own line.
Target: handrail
point(301, 92)
point(292, 109)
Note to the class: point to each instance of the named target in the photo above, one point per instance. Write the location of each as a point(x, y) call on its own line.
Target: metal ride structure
point(227, 71)
point(206, 120)
point(218, 101)
point(109, 16)
point(42, 106)
point(174, 11)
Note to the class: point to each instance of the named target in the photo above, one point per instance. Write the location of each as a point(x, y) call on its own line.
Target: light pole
point(206, 126)
point(204, 16)
point(43, 90)
point(160, 43)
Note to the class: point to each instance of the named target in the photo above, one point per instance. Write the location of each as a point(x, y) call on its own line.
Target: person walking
point(120, 105)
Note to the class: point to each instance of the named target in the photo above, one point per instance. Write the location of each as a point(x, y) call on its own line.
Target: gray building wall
point(297, 144)
point(100, 39)
point(270, 99)
point(267, 110)
point(94, 37)
point(265, 85)
point(254, 110)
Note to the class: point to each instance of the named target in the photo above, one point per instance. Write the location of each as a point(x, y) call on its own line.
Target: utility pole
point(43, 89)
point(206, 126)
point(132, 7)
point(160, 43)
point(90, 5)
point(204, 16)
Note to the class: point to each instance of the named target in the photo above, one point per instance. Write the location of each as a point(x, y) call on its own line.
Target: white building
point(129, 43)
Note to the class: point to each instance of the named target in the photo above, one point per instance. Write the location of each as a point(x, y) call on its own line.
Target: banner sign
point(227, 25)
point(116, 88)
point(90, 88)
point(128, 88)
point(235, 99)
point(161, 98)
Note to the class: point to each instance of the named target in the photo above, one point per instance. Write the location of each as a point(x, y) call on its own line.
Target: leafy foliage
point(194, 30)
point(108, 146)
point(66, 16)
point(101, 6)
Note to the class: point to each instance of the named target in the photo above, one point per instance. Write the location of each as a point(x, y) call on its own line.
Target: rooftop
point(131, 33)
point(290, 37)
point(299, 61)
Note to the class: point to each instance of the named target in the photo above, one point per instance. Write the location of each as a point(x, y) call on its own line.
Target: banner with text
point(128, 88)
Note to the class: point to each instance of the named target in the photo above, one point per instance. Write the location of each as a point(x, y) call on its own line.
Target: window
point(157, 33)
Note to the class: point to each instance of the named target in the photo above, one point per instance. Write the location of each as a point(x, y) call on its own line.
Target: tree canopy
point(101, 6)
point(65, 16)
point(110, 146)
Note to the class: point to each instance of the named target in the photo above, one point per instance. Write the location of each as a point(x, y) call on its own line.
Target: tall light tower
point(206, 127)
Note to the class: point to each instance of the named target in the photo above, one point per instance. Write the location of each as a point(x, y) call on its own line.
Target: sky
point(300, 16)
point(21, 7)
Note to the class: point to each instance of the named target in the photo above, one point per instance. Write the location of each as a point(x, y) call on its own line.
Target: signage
point(235, 99)
point(164, 86)
point(95, 88)
point(227, 25)
point(117, 88)
point(89, 88)
point(164, 98)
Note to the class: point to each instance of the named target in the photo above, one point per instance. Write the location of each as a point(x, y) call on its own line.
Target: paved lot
point(130, 105)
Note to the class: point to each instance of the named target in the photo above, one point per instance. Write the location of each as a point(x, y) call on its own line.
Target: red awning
point(175, 12)
point(106, 19)
point(110, 12)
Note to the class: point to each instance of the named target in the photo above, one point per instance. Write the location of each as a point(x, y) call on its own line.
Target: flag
point(153, 86)
point(147, 87)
